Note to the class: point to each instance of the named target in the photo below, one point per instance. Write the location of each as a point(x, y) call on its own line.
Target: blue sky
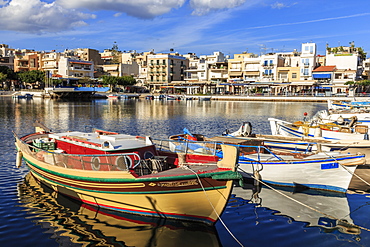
point(200, 26)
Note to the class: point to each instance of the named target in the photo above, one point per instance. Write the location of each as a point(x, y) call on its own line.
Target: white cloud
point(137, 8)
point(278, 5)
point(202, 7)
point(34, 16)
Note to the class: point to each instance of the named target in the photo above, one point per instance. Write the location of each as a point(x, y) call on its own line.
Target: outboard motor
point(226, 132)
point(246, 129)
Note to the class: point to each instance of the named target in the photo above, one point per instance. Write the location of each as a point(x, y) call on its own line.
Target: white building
point(72, 69)
point(307, 60)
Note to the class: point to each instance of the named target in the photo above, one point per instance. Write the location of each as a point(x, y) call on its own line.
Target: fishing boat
point(347, 117)
point(330, 131)
point(332, 171)
point(128, 174)
point(114, 96)
point(348, 104)
point(23, 96)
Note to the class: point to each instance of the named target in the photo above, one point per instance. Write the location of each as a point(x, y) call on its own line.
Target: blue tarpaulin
point(321, 76)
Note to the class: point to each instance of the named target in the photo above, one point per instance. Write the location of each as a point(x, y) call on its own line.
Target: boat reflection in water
point(327, 210)
point(85, 225)
point(338, 216)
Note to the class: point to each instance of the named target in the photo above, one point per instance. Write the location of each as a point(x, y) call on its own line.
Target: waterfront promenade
point(242, 97)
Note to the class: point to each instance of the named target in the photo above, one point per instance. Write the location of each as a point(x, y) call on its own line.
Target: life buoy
point(18, 161)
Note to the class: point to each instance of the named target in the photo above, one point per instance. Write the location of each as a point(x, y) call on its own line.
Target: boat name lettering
point(178, 183)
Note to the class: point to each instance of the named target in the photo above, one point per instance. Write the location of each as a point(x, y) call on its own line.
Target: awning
point(321, 76)
point(235, 73)
point(82, 63)
point(302, 83)
point(234, 84)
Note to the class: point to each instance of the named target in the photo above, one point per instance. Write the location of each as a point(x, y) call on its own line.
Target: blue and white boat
point(332, 171)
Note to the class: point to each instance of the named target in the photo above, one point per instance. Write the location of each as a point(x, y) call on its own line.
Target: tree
point(2, 77)
point(359, 86)
point(10, 75)
point(362, 53)
point(32, 76)
point(115, 53)
point(112, 81)
point(126, 80)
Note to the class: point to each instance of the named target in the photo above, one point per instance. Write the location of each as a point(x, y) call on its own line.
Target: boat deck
point(112, 142)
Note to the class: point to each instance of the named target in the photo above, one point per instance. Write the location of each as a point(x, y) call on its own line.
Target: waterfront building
point(7, 56)
point(27, 62)
point(73, 70)
point(121, 69)
point(166, 71)
point(206, 73)
point(142, 60)
point(366, 69)
point(307, 60)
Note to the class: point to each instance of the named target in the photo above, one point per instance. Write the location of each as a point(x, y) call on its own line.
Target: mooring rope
point(305, 205)
point(218, 216)
point(345, 168)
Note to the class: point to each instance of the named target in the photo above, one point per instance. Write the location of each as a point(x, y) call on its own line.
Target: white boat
point(348, 104)
point(330, 171)
point(342, 117)
point(317, 170)
point(329, 131)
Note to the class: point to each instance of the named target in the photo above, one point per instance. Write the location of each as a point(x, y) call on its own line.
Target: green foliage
point(349, 83)
point(109, 80)
point(112, 80)
point(2, 77)
point(56, 82)
point(10, 75)
point(126, 80)
point(31, 76)
point(362, 53)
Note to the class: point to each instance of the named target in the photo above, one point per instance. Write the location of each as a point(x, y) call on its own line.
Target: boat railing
point(211, 148)
point(97, 162)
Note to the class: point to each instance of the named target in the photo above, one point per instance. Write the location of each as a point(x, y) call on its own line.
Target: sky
point(196, 26)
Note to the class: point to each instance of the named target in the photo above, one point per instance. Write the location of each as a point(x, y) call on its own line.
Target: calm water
point(31, 215)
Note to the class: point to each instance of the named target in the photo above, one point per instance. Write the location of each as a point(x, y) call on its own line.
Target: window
point(265, 63)
point(294, 75)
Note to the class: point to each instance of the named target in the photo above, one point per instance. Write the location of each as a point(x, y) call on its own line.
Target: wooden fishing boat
point(128, 174)
point(331, 171)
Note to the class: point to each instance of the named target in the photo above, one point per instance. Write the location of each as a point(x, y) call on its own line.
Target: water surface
point(32, 215)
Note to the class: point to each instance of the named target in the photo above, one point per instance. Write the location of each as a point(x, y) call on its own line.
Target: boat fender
point(340, 120)
point(18, 162)
point(318, 132)
point(366, 136)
